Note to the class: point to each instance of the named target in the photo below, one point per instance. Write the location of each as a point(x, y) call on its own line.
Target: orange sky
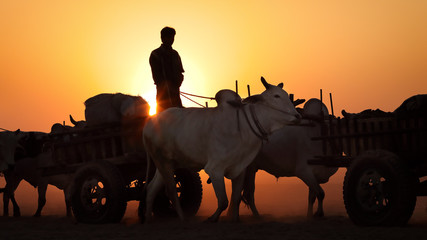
point(56, 54)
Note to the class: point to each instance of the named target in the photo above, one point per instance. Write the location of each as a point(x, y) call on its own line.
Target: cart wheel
point(98, 194)
point(379, 190)
point(189, 189)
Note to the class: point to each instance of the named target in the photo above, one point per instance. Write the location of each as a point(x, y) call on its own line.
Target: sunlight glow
point(150, 97)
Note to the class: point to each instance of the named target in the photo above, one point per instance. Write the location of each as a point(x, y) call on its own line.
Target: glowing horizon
point(369, 54)
point(56, 54)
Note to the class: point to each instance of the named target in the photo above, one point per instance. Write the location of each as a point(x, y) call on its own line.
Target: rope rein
point(193, 95)
point(185, 95)
point(192, 100)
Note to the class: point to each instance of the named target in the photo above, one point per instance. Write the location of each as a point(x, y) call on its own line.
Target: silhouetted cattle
point(286, 155)
point(30, 170)
point(415, 106)
point(31, 162)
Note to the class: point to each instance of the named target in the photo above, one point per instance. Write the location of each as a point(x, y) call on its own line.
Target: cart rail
point(343, 139)
point(120, 144)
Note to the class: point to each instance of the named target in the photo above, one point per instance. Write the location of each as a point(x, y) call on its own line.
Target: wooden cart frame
point(385, 158)
point(108, 167)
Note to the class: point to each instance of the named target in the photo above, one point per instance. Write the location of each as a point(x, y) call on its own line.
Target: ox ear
point(266, 85)
point(280, 85)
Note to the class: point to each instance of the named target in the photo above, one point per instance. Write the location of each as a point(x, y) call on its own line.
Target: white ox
point(223, 141)
point(112, 108)
point(286, 154)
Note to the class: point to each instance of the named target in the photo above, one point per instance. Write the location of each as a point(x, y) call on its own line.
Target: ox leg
point(249, 190)
point(12, 184)
point(42, 199)
point(319, 212)
point(219, 188)
point(171, 190)
point(311, 200)
point(67, 201)
point(16, 210)
point(236, 196)
point(6, 199)
point(315, 189)
point(153, 188)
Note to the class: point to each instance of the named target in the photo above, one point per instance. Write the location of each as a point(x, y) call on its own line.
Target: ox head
point(78, 124)
point(9, 142)
point(278, 107)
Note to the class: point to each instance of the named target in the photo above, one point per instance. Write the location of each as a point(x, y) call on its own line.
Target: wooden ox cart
point(108, 167)
point(385, 157)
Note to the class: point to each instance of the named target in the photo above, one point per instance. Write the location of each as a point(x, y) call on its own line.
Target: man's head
point(168, 35)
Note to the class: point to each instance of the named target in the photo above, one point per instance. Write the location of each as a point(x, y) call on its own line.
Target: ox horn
point(265, 83)
point(72, 120)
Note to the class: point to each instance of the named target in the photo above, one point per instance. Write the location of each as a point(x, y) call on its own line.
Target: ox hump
point(228, 98)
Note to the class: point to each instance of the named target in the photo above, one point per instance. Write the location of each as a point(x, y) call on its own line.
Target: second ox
point(223, 141)
point(286, 154)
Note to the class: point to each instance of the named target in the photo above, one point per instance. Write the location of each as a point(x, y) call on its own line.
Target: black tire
point(190, 190)
point(98, 194)
point(379, 190)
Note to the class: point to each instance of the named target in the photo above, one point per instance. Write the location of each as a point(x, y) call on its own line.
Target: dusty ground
point(286, 227)
point(282, 203)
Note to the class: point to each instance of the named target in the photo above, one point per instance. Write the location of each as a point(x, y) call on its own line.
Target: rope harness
point(261, 133)
point(256, 127)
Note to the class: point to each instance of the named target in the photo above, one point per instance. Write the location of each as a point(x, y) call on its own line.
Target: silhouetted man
point(166, 67)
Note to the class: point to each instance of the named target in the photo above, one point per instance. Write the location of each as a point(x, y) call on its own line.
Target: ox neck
point(256, 126)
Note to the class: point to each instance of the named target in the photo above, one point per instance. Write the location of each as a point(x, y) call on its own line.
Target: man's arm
point(181, 70)
point(156, 68)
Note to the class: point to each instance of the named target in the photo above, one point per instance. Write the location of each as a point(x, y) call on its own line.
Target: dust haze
point(282, 204)
point(278, 198)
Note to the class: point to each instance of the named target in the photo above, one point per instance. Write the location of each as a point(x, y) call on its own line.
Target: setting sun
point(150, 97)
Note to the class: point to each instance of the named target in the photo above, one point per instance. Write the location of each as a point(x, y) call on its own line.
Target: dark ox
point(29, 167)
point(286, 155)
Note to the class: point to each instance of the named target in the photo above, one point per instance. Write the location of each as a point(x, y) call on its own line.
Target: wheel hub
point(371, 191)
point(93, 195)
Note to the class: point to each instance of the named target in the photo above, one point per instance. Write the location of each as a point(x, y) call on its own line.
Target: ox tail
point(147, 174)
point(245, 197)
point(248, 190)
